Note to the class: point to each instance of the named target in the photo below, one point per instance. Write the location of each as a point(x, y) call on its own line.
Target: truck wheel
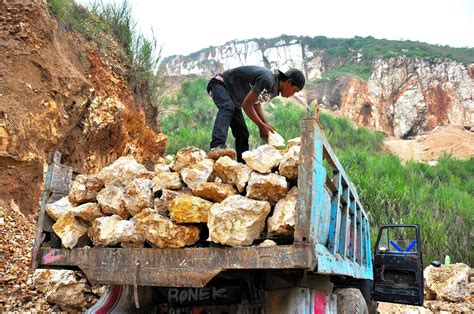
point(351, 300)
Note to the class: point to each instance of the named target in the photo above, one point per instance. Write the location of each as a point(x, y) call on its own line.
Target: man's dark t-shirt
point(262, 81)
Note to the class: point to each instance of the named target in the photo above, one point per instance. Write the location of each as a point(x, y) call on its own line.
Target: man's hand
point(265, 130)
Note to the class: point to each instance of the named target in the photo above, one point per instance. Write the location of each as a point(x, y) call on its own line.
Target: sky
point(185, 26)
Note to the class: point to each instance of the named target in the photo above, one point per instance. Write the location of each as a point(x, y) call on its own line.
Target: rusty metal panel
point(57, 182)
point(186, 267)
point(305, 182)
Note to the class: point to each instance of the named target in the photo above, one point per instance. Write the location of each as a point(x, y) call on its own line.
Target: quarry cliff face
point(402, 97)
point(60, 92)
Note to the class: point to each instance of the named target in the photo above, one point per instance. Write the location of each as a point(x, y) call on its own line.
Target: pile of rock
point(17, 292)
point(449, 288)
point(192, 199)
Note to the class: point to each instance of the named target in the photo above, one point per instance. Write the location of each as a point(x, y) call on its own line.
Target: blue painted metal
point(339, 227)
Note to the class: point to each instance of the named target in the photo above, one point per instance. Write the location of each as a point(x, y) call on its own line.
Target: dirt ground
point(451, 140)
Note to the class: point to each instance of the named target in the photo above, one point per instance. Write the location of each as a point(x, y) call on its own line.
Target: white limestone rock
point(112, 230)
point(121, 171)
point(199, 172)
point(448, 282)
point(289, 165)
point(283, 220)
point(215, 192)
point(138, 195)
point(69, 229)
point(166, 180)
point(276, 140)
point(237, 221)
point(159, 168)
point(263, 159)
point(267, 243)
point(162, 232)
point(187, 157)
point(294, 142)
point(67, 288)
point(267, 187)
point(87, 212)
point(110, 200)
point(84, 189)
point(233, 172)
point(102, 230)
point(59, 208)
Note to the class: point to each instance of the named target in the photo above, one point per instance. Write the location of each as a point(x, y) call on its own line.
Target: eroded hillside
point(62, 92)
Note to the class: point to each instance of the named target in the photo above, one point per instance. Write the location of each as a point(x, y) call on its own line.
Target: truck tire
point(351, 301)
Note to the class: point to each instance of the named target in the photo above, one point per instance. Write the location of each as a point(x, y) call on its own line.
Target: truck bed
point(332, 234)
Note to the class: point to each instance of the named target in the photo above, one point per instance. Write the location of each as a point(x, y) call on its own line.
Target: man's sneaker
point(218, 152)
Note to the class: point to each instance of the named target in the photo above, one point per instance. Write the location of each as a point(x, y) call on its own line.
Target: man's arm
point(250, 109)
point(259, 111)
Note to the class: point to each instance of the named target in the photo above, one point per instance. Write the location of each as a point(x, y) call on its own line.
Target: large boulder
point(121, 171)
point(267, 187)
point(263, 159)
point(67, 288)
point(233, 172)
point(283, 220)
point(199, 172)
point(84, 189)
point(448, 282)
point(69, 229)
point(215, 192)
point(189, 209)
point(237, 221)
point(162, 232)
point(187, 157)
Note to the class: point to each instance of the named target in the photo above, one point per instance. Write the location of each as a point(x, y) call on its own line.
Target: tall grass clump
point(142, 53)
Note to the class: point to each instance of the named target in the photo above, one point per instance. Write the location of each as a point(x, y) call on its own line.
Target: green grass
point(142, 54)
point(437, 198)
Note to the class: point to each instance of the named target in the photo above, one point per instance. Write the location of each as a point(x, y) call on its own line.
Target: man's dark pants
point(229, 115)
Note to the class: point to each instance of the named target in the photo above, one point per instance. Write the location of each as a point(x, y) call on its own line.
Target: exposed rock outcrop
point(77, 102)
point(403, 96)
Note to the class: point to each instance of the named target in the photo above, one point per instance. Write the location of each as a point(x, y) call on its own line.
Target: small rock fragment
point(84, 189)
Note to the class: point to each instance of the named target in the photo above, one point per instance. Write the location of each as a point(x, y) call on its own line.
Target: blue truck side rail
point(332, 235)
point(330, 216)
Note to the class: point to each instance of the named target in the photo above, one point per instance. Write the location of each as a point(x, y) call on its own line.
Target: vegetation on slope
point(142, 54)
point(438, 198)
